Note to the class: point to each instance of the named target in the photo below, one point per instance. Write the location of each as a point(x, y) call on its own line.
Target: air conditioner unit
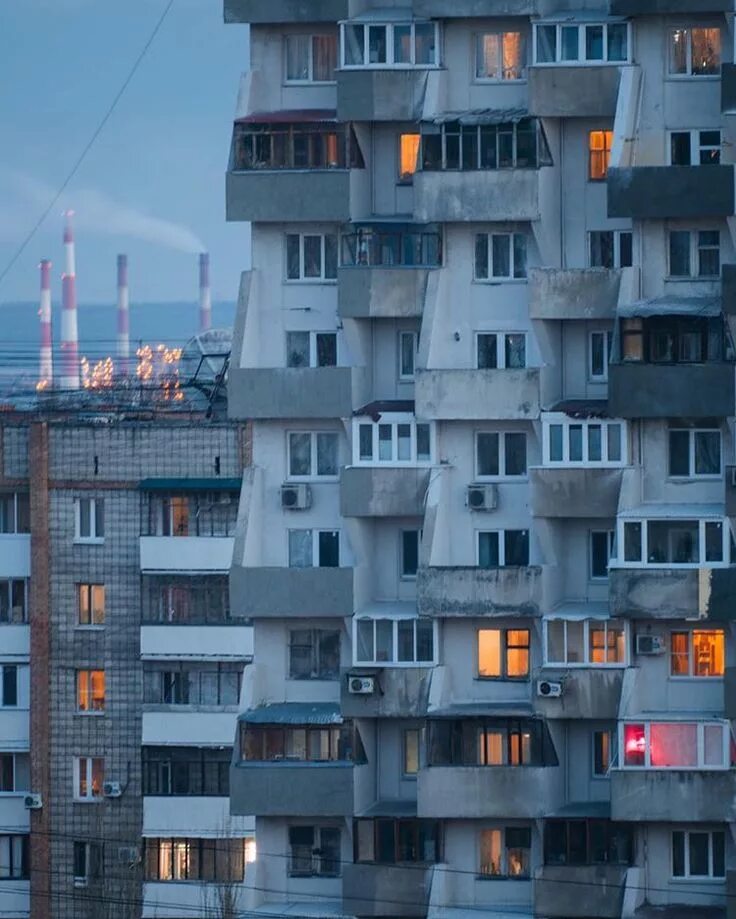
point(481, 497)
point(361, 685)
point(112, 789)
point(33, 802)
point(296, 497)
point(650, 644)
point(548, 689)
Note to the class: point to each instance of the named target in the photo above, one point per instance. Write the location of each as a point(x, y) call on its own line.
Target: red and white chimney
point(69, 333)
point(46, 368)
point(205, 295)
point(123, 315)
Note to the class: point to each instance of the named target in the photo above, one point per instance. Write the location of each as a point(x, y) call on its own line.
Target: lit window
point(698, 854)
point(585, 643)
point(90, 691)
point(411, 738)
point(91, 604)
point(700, 653)
point(599, 147)
point(408, 156)
point(695, 52)
point(89, 777)
point(503, 654)
point(500, 56)
point(505, 852)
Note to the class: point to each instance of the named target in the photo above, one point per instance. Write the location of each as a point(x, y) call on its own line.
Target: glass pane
point(575, 434)
point(487, 56)
point(408, 348)
point(293, 248)
point(519, 238)
point(312, 256)
point(423, 451)
point(385, 443)
point(402, 44)
point(405, 628)
point(487, 446)
point(680, 148)
point(365, 640)
point(594, 443)
point(329, 549)
point(673, 745)
point(326, 454)
point(679, 253)
point(594, 43)
point(300, 548)
point(708, 653)
point(569, 43)
point(365, 441)
point(324, 58)
point(597, 354)
point(546, 44)
point(713, 745)
point(516, 547)
point(409, 553)
point(297, 57)
point(679, 453)
point(501, 254)
point(330, 256)
point(632, 542)
point(297, 349)
point(488, 550)
point(424, 43)
point(673, 541)
point(384, 640)
point(555, 443)
point(376, 44)
point(425, 640)
point(515, 351)
point(354, 52)
point(634, 745)
point(678, 50)
point(300, 454)
point(514, 56)
point(719, 854)
point(698, 853)
point(556, 641)
point(706, 51)
point(481, 256)
point(713, 542)
point(678, 854)
point(617, 42)
point(489, 652)
point(614, 437)
point(490, 853)
point(487, 352)
point(575, 642)
point(515, 449)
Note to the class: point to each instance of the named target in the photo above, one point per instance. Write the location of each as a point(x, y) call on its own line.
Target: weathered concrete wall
point(579, 891)
point(402, 693)
point(276, 195)
point(462, 395)
point(573, 293)
point(380, 95)
point(661, 192)
point(671, 390)
point(374, 492)
point(569, 493)
point(286, 592)
point(290, 392)
point(291, 789)
point(656, 794)
point(659, 593)
point(728, 87)
point(383, 890)
point(660, 7)
point(381, 293)
point(459, 591)
point(483, 195)
point(285, 10)
point(590, 693)
point(573, 92)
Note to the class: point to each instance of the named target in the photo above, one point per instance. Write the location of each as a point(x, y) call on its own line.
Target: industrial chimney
point(123, 315)
point(69, 333)
point(205, 295)
point(46, 369)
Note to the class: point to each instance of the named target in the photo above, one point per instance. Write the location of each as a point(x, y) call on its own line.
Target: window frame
point(581, 60)
point(310, 81)
point(501, 348)
point(314, 473)
point(315, 651)
point(477, 39)
point(315, 547)
point(313, 348)
point(686, 831)
point(491, 277)
point(10, 587)
point(643, 522)
point(11, 672)
point(93, 856)
point(84, 769)
point(553, 419)
point(93, 538)
point(503, 475)
point(21, 511)
point(616, 240)
point(316, 852)
point(697, 147)
point(611, 543)
point(407, 177)
point(395, 420)
point(502, 547)
point(610, 754)
point(395, 662)
point(302, 278)
point(692, 474)
point(587, 663)
point(504, 649)
point(390, 62)
point(504, 874)
point(90, 589)
point(405, 575)
point(690, 675)
point(409, 775)
point(694, 254)
point(87, 700)
point(701, 765)
point(480, 147)
point(406, 333)
point(22, 871)
point(607, 337)
point(688, 28)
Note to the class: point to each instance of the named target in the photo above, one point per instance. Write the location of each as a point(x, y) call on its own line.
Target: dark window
point(409, 553)
point(295, 146)
point(314, 851)
point(10, 685)
point(601, 549)
point(516, 547)
point(186, 600)
point(384, 247)
point(389, 841)
point(201, 771)
point(314, 654)
point(189, 684)
point(309, 743)
point(680, 148)
point(517, 145)
point(14, 857)
point(88, 861)
point(490, 742)
point(587, 842)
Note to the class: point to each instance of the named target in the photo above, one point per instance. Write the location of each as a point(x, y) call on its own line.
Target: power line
point(90, 143)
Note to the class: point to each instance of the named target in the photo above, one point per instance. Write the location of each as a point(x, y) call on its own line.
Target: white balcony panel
point(187, 554)
point(15, 642)
point(189, 728)
point(15, 556)
point(193, 816)
point(197, 642)
point(15, 899)
point(14, 730)
point(14, 816)
point(186, 900)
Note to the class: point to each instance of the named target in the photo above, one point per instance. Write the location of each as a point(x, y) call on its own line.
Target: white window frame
point(89, 771)
point(587, 662)
point(617, 235)
point(499, 34)
point(687, 876)
point(689, 676)
point(395, 642)
point(315, 546)
point(405, 333)
point(692, 474)
point(502, 474)
point(313, 473)
point(689, 75)
point(15, 496)
point(502, 545)
point(621, 561)
point(6, 584)
point(695, 250)
point(607, 342)
point(394, 419)
point(313, 333)
point(93, 538)
point(581, 60)
point(322, 277)
point(725, 728)
point(492, 278)
point(550, 419)
point(310, 81)
point(696, 147)
point(501, 348)
point(389, 64)
point(597, 579)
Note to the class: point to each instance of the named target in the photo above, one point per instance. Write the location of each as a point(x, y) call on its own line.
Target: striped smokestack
point(205, 295)
point(123, 315)
point(69, 333)
point(46, 369)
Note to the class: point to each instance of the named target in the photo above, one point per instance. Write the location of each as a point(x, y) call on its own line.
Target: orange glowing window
point(599, 148)
point(503, 654)
point(489, 652)
point(697, 654)
point(408, 156)
point(90, 777)
point(91, 690)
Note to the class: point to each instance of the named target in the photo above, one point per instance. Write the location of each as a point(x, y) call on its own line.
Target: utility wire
point(90, 143)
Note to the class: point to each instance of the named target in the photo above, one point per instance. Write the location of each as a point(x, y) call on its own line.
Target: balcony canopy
point(299, 713)
point(480, 116)
point(290, 116)
point(190, 485)
point(672, 306)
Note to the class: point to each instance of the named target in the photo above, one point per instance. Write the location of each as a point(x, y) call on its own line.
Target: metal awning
point(673, 511)
point(290, 116)
point(597, 609)
point(598, 810)
point(485, 710)
point(579, 16)
point(190, 485)
point(583, 408)
point(391, 808)
point(482, 116)
point(671, 306)
point(294, 713)
point(395, 406)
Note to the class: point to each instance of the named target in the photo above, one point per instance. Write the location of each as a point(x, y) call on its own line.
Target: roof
point(376, 409)
point(392, 807)
point(599, 810)
point(393, 609)
point(482, 116)
point(290, 116)
point(511, 709)
point(294, 713)
point(673, 511)
point(180, 484)
point(583, 408)
point(580, 609)
point(672, 306)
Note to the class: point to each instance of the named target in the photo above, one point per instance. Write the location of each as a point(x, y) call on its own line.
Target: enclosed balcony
point(573, 92)
point(475, 395)
point(284, 11)
point(670, 192)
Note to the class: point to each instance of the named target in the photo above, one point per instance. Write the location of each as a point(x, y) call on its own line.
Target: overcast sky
point(153, 184)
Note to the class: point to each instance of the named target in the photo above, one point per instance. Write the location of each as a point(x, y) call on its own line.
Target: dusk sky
point(153, 184)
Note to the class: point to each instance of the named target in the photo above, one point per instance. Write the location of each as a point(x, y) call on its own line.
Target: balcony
point(574, 293)
point(729, 693)
point(639, 390)
point(571, 891)
point(660, 7)
point(659, 593)
point(176, 815)
point(381, 95)
point(367, 292)
point(471, 792)
point(468, 591)
point(664, 192)
point(224, 641)
point(185, 726)
point(573, 92)
point(483, 195)
point(290, 392)
point(404, 693)
point(386, 890)
point(186, 553)
point(592, 692)
point(287, 789)
point(475, 395)
point(280, 592)
point(568, 492)
point(369, 491)
point(655, 795)
point(311, 195)
point(285, 11)
point(15, 555)
point(426, 9)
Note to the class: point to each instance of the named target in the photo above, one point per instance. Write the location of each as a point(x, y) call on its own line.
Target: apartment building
point(486, 538)
point(121, 667)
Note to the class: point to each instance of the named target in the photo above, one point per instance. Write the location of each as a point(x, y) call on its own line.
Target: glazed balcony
point(483, 195)
point(573, 92)
point(266, 12)
point(370, 491)
point(470, 591)
point(559, 492)
point(475, 395)
point(572, 891)
point(654, 795)
point(670, 192)
point(386, 890)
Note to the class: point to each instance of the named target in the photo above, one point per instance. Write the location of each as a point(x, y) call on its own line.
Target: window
point(601, 552)
point(311, 349)
point(13, 600)
point(500, 56)
point(676, 745)
point(194, 859)
point(503, 654)
point(599, 355)
point(694, 253)
point(389, 841)
point(695, 52)
point(312, 454)
point(567, 43)
point(309, 145)
point(698, 854)
point(503, 548)
point(89, 777)
point(7, 772)
point(15, 857)
point(396, 440)
point(387, 246)
point(198, 771)
point(585, 442)
point(610, 249)
point(194, 513)
point(500, 455)
point(674, 340)
point(88, 862)
point(676, 542)
point(411, 741)
point(308, 743)
point(410, 552)
point(603, 753)
point(311, 257)
point(408, 156)
point(314, 549)
point(500, 350)
point(587, 842)
point(91, 604)
point(90, 691)
point(401, 44)
point(500, 256)
point(408, 346)
point(505, 852)
point(314, 654)
point(394, 642)
point(490, 742)
point(314, 851)
point(215, 684)
point(695, 148)
point(697, 653)
point(15, 513)
point(310, 58)
point(510, 145)
point(694, 453)
point(186, 600)
point(89, 518)
point(599, 154)
point(9, 685)
point(585, 642)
